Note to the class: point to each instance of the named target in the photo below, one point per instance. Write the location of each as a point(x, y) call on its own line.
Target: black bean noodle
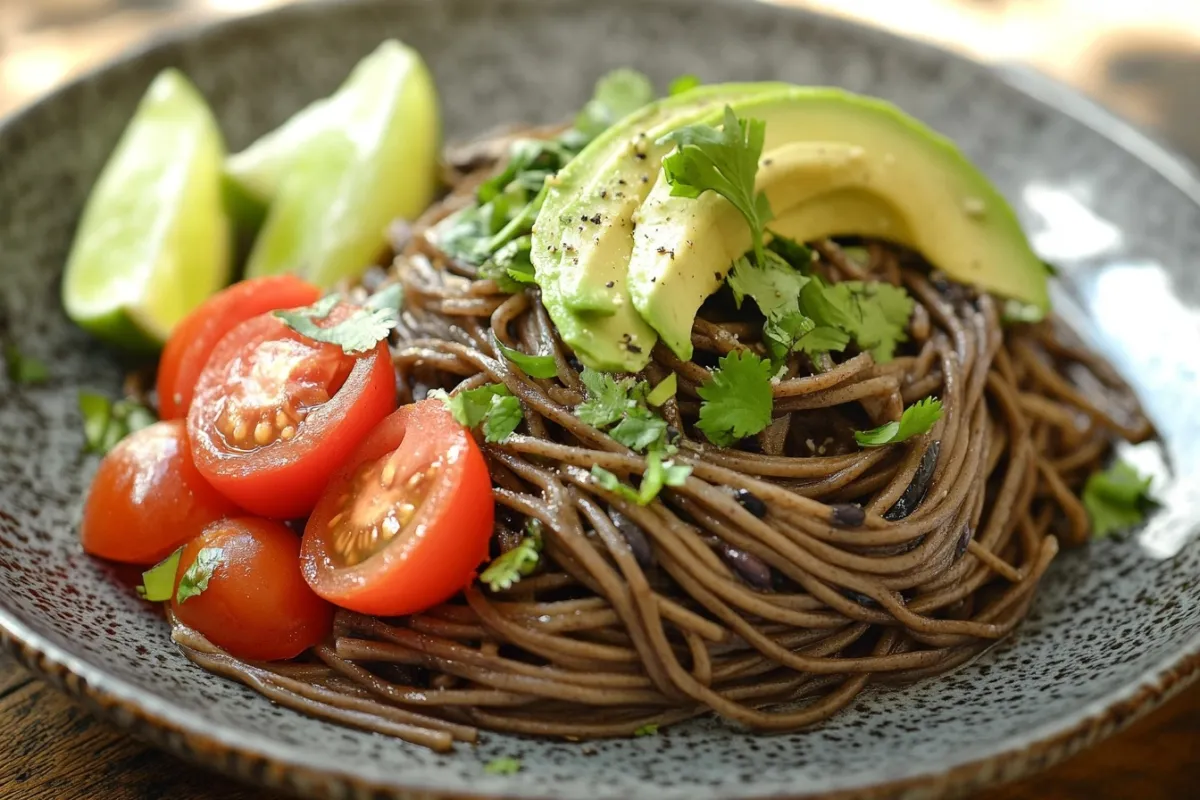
point(786, 576)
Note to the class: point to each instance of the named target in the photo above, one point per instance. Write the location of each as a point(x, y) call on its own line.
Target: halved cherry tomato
point(276, 413)
point(194, 338)
point(406, 522)
point(147, 498)
point(256, 605)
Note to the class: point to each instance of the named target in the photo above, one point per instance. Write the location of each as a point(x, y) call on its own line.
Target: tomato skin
point(283, 479)
point(257, 605)
point(437, 554)
point(148, 499)
point(194, 338)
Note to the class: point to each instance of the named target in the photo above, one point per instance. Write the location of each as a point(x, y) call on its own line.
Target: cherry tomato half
point(193, 340)
point(406, 522)
point(256, 605)
point(276, 413)
point(147, 498)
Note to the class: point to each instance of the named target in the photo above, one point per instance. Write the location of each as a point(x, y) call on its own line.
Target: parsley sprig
point(916, 420)
point(724, 161)
point(359, 332)
point(1116, 498)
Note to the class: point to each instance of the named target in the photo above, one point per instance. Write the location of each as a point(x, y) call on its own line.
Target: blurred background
point(1139, 57)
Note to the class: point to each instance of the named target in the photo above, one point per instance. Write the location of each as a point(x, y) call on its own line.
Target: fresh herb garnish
point(1116, 498)
point(360, 331)
point(195, 580)
point(508, 568)
point(533, 366)
point(684, 83)
point(664, 391)
point(776, 289)
point(158, 582)
point(22, 369)
point(618, 94)
point(724, 161)
point(649, 729)
point(106, 423)
point(607, 398)
point(493, 405)
point(640, 430)
point(503, 766)
point(737, 400)
point(916, 420)
point(659, 473)
point(627, 403)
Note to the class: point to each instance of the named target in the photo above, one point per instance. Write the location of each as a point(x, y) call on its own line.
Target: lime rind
point(153, 241)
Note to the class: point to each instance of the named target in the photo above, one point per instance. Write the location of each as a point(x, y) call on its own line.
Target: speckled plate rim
point(195, 739)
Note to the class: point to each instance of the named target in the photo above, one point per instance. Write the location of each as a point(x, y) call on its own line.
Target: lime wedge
point(154, 240)
point(344, 168)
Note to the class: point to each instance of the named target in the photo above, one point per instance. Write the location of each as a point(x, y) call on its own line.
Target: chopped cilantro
point(533, 366)
point(776, 289)
point(618, 94)
point(158, 582)
point(195, 580)
point(724, 161)
point(684, 83)
point(508, 568)
point(106, 423)
point(492, 405)
point(640, 430)
point(22, 369)
point(510, 267)
point(607, 398)
point(1116, 498)
point(664, 391)
point(737, 401)
point(360, 331)
point(917, 419)
point(658, 474)
point(795, 253)
point(649, 729)
point(503, 766)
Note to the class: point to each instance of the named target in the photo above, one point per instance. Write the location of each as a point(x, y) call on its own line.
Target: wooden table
point(51, 749)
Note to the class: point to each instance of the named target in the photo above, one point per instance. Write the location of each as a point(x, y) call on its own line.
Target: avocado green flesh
point(833, 164)
point(581, 265)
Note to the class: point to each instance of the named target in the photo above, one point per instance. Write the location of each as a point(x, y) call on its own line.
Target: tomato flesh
point(256, 605)
point(276, 413)
point(194, 338)
point(148, 499)
point(404, 525)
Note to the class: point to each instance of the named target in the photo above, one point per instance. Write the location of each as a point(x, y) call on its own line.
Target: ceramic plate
point(1116, 626)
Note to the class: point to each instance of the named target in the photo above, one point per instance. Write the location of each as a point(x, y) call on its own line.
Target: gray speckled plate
point(1116, 627)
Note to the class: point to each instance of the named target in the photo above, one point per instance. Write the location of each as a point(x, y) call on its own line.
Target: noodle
point(779, 580)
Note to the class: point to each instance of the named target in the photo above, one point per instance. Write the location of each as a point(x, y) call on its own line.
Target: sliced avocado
point(833, 163)
point(583, 236)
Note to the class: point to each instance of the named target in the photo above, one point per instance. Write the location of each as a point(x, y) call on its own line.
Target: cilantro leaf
point(508, 568)
point(737, 401)
point(822, 339)
point(1116, 498)
point(195, 580)
point(22, 369)
point(158, 582)
point(106, 423)
point(658, 474)
point(776, 288)
point(365, 326)
point(503, 766)
point(664, 391)
point(795, 253)
point(684, 83)
point(504, 416)
point(640, 431)
point(607, 398)
point(533, 366)
point(493, 406)
point(617, 95)
point(724, 161)
point(511, 266)
point(650, 729)
point(917, 419)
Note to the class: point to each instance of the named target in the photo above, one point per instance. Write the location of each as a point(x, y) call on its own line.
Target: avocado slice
point(583, 236)
point(834, 163)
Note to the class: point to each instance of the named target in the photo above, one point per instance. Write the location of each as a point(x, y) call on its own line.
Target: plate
point(1116, 626)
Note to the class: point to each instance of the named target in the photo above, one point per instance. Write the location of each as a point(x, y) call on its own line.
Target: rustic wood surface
point(50, 749)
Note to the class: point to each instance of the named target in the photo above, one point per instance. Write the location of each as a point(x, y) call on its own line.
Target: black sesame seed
point(751, 502)
point(610, 284)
